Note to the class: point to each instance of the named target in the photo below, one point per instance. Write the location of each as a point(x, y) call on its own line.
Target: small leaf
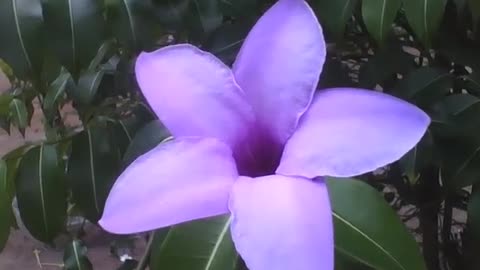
point(378, 16)
point(41, 193)
point(75, 257)
point(22, 28)
point(202, 244)
point(87, 87)
point(92, 169)
point(5, 100)
point(55, 92)
point(334, 15)
point(75, 29)
point(103, 52)
point(376, 237)
point(425, 17)
point(18, 112)
point(424, 86)
point(146, 139)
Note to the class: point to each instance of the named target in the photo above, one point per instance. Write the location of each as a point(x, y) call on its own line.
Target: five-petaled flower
point(255, 141)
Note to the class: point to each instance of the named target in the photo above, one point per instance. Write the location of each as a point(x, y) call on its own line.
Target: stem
point(447, 229)
point(142, 264)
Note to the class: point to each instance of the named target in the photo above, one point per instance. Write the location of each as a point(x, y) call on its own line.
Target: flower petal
point(177, 181)
point(279, 65)
point(348, 132)
point(282, 223)
point(194, 94)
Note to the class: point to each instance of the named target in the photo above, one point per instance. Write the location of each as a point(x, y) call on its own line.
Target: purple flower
point(255, 142)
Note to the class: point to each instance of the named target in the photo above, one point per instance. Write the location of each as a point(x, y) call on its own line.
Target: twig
point(142, 264)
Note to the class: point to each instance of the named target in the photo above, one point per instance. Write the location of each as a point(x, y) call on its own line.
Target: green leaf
point(343, 262)
point(473, 212)
point(18, 112)
point(334, 15)
point(131, 21)
point(87, 87)
point(92, 169)
point(239, 8)
point(378, 16)
point(105, 51)
point(475, 9)
point(385, 64)
point(5, 100)
point(425, 17)
point(21, 32)
point(198, 245)
point(75, 29)
point(375, 236)
point(417, 159)
point(5, 205)
point(55, 92)
point(41, 193)
point(205, 16)
point(225, 42)
point(424, 86)
point(172, 14)
point(75, 257)
point(149, 136)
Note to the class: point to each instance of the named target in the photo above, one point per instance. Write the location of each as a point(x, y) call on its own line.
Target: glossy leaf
point(55, 92)
point(18, 112)
point(378, 16)
point(334, 15)
point(75, 257)
point(5, 205)
point(41, 192)
point(425, 16)
point(87, 87)
point(106, 50)
point(131, 22)
point(145, 139)
point(92, 169)
point(21, 32)
point(75, 30)
point(376, 237)
point(198, 245)
point(424, 86)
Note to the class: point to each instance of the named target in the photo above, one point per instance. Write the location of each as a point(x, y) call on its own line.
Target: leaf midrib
point(346, 222)
point(20, 36)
